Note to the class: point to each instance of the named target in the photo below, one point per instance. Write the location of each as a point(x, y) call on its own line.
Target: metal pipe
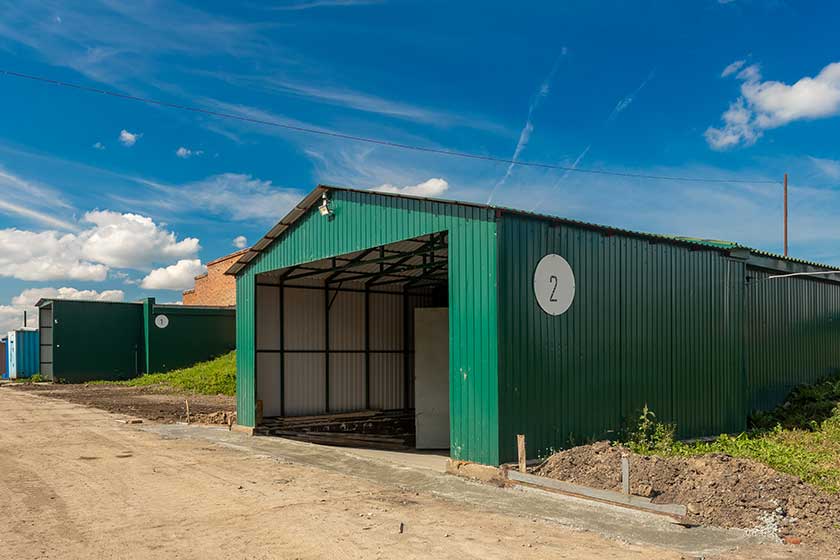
point(786, 215)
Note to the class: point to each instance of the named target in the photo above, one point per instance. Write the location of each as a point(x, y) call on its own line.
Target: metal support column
point(282, 350)
point(326, 348)
point(367, 348)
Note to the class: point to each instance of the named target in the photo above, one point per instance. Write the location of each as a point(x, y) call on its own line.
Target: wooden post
point(520, 447)
point(187, 404)
point(625, 474)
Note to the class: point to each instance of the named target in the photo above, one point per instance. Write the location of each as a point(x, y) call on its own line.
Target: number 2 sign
point(554, 284)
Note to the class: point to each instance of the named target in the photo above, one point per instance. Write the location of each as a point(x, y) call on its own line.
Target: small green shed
point(100, 340)
point(557, 329)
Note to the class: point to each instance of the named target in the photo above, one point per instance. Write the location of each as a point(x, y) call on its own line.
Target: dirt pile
point(716, 489)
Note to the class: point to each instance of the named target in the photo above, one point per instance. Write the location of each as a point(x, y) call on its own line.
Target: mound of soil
point(716, 489)
point(154, 402)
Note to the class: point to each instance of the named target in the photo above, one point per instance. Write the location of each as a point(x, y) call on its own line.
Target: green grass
point(34, 379)
point(215, 377)
point(801, 437)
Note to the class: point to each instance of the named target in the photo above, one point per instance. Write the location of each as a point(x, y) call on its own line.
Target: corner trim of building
point(248, 430)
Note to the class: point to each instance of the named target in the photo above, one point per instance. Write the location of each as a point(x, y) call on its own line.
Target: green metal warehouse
point(557, 329)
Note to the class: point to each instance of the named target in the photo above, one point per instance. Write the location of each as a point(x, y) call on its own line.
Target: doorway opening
point(353, 349)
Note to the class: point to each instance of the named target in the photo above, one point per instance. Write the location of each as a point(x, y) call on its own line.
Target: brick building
point(213, 287)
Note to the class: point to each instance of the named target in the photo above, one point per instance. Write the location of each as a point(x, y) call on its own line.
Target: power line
point(387, 143)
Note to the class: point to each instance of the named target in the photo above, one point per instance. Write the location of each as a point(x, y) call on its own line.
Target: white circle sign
point(161, 321)
point(554, 284)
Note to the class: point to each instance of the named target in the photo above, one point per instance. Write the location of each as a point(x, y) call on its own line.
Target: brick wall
point(214, 287)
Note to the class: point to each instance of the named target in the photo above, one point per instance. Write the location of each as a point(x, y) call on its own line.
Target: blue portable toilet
point(4, 358)
point(23, 347)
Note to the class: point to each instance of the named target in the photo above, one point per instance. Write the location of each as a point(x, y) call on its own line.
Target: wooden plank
point(598, 494)
point(520, 448)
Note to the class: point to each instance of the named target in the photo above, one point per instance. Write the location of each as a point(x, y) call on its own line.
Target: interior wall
point(360, 365)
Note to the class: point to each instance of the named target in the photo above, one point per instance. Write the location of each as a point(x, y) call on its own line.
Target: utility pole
point(786, 217)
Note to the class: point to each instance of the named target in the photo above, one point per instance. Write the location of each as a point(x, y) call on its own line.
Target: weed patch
point(214, 377)
point(800, 437)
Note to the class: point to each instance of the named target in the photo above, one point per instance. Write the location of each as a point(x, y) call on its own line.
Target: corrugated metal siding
point(268, 382)
point(268, 318)
point(365, 220)
point(245, 345)
point(650, 323)
point(347, 382)
point(24, 350)
point(4, 359)
point(793, 329)
point(119, 355)
point(304, 325)
point(193, 335)
point(304, 329)
point(386, 381)
point(347, 321)
point(305, 389)
point(386, 322)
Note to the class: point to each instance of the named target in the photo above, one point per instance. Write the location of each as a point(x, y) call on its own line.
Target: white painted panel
point(11, 347)
point(268, 382)
point(386, 322)
point(347, 382)
point(386, 381)
point(268, 318)
point(47, 354)
point(347, 321)
point(46, 335)
point(304, 376)
point(45, 317)
point(431, 381)
point(304, 327)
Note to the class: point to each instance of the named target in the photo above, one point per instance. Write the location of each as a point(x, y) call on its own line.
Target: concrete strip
point(598, 494)
point(615, 522)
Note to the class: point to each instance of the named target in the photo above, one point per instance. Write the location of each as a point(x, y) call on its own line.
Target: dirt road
point(75, 483)
point(152, 402)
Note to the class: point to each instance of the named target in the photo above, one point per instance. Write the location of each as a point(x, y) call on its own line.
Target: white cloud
point(309, 4)
point(33, 201)
point(11, 316)
point(179, 276)
point(625, 101)
point(132, 241)
point(122, 42)
point(128, 139)
point(765, 105)
point(431, 188)
point(528, 129)
point(99, 146)
point(240, 242)
point(235, 196)
point(46, 255)
point(32, 295)
point(828, 167)
point(113, 240)
point(732, 68)
point(185, 153)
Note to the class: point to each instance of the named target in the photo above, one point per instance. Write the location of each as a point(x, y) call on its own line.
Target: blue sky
point(102, 197)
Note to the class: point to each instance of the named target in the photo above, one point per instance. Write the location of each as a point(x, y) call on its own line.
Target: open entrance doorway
point(353, 349)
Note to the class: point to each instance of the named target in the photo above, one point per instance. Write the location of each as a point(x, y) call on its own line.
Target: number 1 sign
point(554, 284)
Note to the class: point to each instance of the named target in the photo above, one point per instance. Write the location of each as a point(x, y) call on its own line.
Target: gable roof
point(311, 199)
